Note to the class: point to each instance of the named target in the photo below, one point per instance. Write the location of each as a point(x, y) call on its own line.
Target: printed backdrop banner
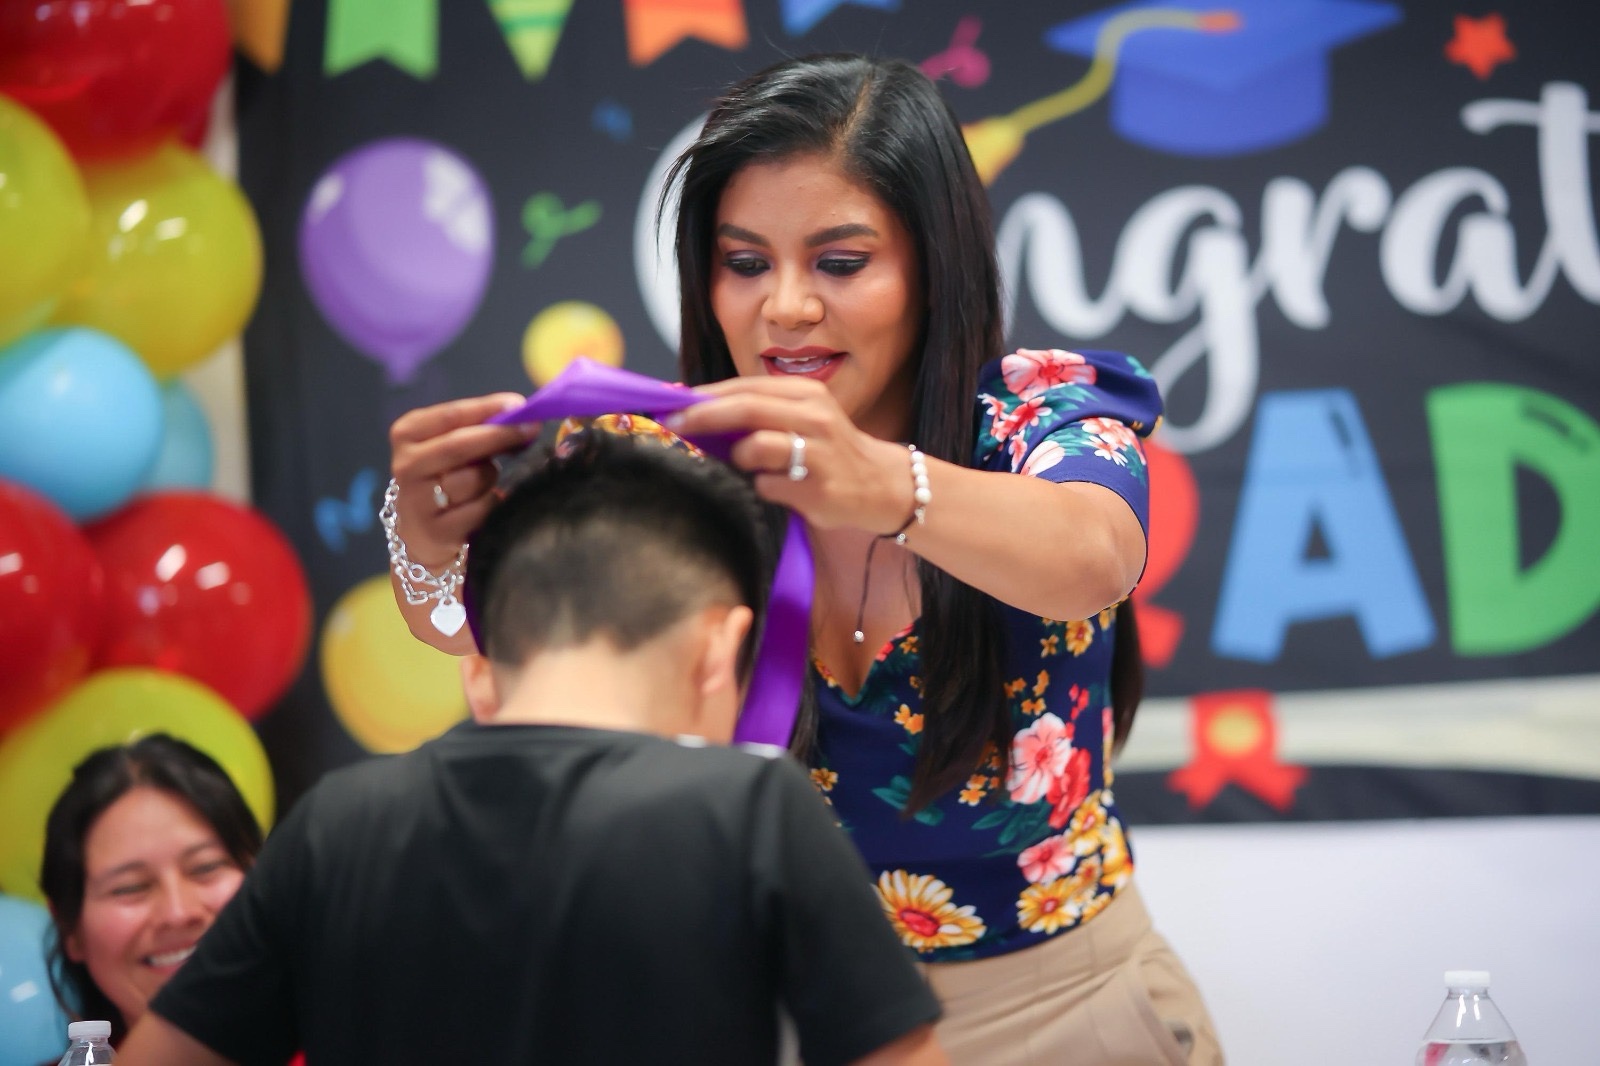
point(1354, 240)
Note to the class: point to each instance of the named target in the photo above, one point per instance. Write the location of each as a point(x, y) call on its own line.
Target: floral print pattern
point(1029, 843)
point(920, 909)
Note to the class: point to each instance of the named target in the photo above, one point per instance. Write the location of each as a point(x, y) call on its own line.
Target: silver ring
point(440, 497)
point(797, 458)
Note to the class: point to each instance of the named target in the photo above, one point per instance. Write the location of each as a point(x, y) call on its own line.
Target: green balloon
point(44, 221)
point(114, 707)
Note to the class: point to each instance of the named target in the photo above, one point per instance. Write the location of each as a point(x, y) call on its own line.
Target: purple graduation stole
point(586, 389)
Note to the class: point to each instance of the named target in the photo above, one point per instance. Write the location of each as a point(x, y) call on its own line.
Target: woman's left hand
point(851, 478)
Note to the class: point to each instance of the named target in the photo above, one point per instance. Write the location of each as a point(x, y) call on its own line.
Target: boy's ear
point(481, 686)
point(724, 640)
point(723, 632)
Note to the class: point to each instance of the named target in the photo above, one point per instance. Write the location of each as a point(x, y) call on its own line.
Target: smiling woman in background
point(142, 850)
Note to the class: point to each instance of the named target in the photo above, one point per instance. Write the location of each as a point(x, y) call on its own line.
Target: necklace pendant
point(860, 637)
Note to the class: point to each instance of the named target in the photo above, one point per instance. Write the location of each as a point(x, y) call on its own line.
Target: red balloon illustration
point(115, 77)
point(202, 586)
point(52, 591)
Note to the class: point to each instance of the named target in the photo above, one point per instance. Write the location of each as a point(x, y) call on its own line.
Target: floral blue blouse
point(1005, 862)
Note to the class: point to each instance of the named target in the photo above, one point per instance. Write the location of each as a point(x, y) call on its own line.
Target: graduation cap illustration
point(1262, 85)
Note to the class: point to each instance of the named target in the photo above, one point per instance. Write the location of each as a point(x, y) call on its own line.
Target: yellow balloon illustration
point(388, 689)
point(564, 331)
point(114, 707)
point(44, 221)
point(174, 258)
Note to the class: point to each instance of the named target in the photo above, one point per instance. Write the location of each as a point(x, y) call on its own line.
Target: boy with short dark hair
point(574, 876)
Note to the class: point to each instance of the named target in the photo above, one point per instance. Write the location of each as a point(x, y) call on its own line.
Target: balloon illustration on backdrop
point(565, 331)
point(174, 259)
point(32, 1023)
point(114, 707)
point(51, 584)
point(396, 245)
point(389, 690)
point(205, 587)
point(115, 77)
point(80, 419)
point(44, 221)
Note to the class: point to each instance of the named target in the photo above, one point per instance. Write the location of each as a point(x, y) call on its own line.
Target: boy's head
point(621, 544)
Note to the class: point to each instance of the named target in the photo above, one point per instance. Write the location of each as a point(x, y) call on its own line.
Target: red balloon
point(114, 77)
point(51, 595)
point(202, 586)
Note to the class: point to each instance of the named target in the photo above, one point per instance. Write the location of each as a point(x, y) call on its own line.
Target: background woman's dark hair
point(105, 776)
point(887, 126)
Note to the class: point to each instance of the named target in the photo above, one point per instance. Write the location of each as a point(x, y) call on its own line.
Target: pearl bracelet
point(921, 495)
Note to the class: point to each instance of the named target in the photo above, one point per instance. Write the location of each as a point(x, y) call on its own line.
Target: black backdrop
point(1321, 562)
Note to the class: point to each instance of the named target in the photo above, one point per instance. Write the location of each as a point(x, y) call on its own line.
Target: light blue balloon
point(80, 419)
point(184, 459)
point(33, 1028)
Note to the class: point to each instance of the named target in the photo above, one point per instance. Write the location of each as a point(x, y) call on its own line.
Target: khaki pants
point(1110, 993)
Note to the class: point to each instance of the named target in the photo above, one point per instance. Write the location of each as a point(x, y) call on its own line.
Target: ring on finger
point(797, 458)
point(440, 497)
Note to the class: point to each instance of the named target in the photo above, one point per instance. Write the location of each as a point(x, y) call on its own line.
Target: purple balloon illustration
point(396, 244)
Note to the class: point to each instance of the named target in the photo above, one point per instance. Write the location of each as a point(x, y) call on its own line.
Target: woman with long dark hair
point(978, 522)
point(142, 849)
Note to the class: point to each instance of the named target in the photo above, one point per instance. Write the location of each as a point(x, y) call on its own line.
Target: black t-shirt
point(545, 894)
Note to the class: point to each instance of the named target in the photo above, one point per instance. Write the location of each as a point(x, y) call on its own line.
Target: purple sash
point(586, 389)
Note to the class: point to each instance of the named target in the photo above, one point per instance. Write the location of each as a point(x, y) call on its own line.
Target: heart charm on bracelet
point(448, 617)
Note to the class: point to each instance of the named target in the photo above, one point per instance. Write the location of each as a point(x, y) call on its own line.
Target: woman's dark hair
point(105, 776)
point(888, 128)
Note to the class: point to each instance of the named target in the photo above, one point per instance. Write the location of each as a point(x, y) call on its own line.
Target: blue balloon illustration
point(185, 458)
point(33, 1028)
point(80, 419)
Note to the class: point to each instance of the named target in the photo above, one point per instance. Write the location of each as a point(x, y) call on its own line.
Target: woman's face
point(814, 276)
point(155, 876)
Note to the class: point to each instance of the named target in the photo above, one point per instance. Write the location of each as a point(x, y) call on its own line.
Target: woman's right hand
point(447, 445)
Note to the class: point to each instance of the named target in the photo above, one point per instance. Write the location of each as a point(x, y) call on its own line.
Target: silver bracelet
point(448, 615)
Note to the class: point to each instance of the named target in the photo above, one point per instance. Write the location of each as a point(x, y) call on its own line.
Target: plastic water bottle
point(91, 1042)
point(1469, 1030)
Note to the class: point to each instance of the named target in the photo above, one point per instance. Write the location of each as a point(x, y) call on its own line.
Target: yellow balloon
point(114, 707)
point(44, 221)
point(564, 331)
point(174, 259)
point(389, 690)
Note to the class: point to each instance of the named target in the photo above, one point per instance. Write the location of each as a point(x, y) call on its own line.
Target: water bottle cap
point(1466, 979)
point(88, 1030)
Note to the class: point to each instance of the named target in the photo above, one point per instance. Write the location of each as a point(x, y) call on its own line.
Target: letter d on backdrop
point(1481, 433)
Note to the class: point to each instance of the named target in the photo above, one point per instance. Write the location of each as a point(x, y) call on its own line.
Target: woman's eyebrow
point(832, 233)
point(739, 233)
point(839, 233)
point(139, 865)
point(136, 866)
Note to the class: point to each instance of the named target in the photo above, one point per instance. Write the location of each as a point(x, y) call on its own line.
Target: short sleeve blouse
point(1005, 862)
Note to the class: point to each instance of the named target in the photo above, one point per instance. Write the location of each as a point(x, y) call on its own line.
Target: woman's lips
point(816, 363)
point(165, 959)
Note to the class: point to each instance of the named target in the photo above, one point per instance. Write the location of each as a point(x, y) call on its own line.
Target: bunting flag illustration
point(532, 29)
point(404, 32)
point(259, 27)
point(800, 15)
point(655, 26)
